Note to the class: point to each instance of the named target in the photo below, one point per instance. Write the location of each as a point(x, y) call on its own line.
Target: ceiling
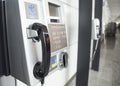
point(114, 6)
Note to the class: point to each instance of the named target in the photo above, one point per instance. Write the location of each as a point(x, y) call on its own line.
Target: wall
point(106, 15)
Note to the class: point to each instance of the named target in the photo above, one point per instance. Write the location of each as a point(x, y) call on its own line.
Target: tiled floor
point(109, 74)
point(72, 82)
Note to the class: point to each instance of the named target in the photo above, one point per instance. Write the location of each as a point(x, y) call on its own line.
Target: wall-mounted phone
point(95, 34)
point(28, 42)
point(95, 29)
point(33, 49)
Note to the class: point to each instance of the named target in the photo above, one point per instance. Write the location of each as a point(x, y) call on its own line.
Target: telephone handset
point(41, 69)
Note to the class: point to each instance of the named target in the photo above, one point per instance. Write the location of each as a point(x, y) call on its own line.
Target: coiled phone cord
point(42, 81)
point(95, 49)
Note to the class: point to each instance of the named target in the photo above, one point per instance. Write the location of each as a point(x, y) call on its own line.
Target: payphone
point(95, 29)
point(95, 33)
point(34, 47)
point(28, 40)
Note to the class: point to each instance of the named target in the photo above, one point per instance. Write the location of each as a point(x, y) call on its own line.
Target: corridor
point(109, 72)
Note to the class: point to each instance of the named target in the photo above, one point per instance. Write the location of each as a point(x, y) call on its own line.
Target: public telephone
point(34, 47)
point(95, 29)
point(95, 34)
point(28, 41)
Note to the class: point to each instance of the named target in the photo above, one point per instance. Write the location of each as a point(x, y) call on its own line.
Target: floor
point(109, 73)
point(72, 82)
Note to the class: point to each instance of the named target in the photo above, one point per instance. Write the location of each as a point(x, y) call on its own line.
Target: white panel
point(60, 77)
point(72, 3)
point(7, 81)
point(71, 20)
